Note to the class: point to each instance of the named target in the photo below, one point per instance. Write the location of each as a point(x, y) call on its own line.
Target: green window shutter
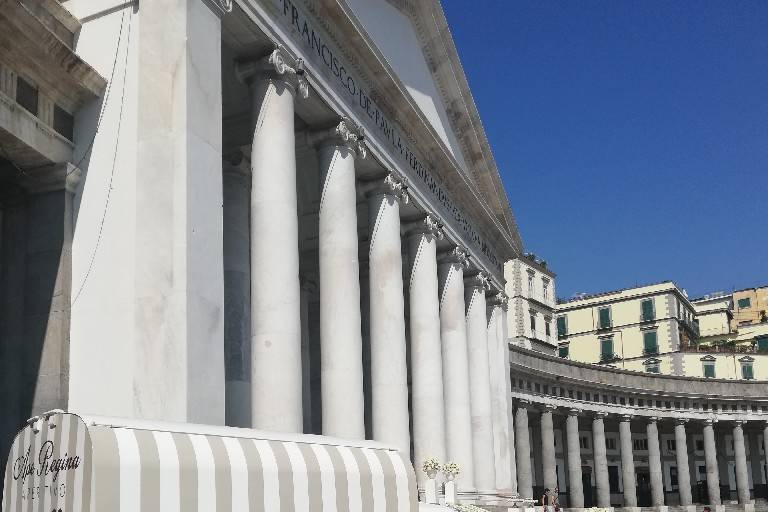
point(562, 327)
point(606, 348)
point(762, 343)
point(650, 344)
point(709, 370)
point(563, 351)
point(747, 371)
point(647, 310)
point(744, 303)
point(605, 318)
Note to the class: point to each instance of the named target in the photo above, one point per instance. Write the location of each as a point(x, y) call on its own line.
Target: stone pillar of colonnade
point(276, 384)
point(573, 454)
point(548, 462)
point(453, 333)
point(523, 451)
point(237, 294)
point(498, 363)
point(601, 461)
point(427, 406)
point(654, 462)
point(710, 458)
point(681, 457)
point(740, 456)
point(627, 461)
point(479, 383)
point(505, 391)
point(765, 444)
point(389, 372)
point(341, 345)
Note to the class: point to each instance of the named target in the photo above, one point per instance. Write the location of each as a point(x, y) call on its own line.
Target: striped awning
point(67, 463)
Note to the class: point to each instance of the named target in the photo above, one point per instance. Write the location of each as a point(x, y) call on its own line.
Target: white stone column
point(654, 462)
point(627, 461)
point(341, 344)
point(479, 383)
point(427, 406)
point(575, 483)
point(237, 293)
point(740, 456)
point(601, 461)
point(681, 456)
point(548, 462)
point(389, 372)
point(523, 451)
point(276, 394)
point(453, 333)
point(710, 458)
point(506, 391)
point(498, 363)
point(765, 443)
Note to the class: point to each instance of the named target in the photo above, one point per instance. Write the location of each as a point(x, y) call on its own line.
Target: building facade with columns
point(288, 217)
point(611, 437)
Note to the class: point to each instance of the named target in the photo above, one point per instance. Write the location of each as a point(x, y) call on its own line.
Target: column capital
point(344, 133)
point(574, 412)
point(626, 417)
point(709, 421)
point(392, 184)
point(479, 280)
point(429, 225)
point(523, 403)
point(681, 421)
point(739, 423)
point(498, 298)
point(599, 415)
point(549, 408)
point(457, 255)
point(278, 64)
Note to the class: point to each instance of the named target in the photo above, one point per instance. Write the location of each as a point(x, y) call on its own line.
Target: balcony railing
point(651, 351)
point(609, 358)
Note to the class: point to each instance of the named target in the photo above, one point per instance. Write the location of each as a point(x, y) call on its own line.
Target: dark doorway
point(643, 488)
point(586, 482)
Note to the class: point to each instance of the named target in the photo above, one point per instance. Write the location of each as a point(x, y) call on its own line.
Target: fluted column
point(575, 485)
point(275, 297)
point(427, 404)
point(601, 461)
point(710, 458)
point(549, 465)
point(740, 455)
point(341, 361)
point(523, 451)
point(627, 461)
point(681, 456)
point(389, 373)
point(479, 383)
point(237, 295)
point(498, 363)
point(654, 462)
point(453, 332)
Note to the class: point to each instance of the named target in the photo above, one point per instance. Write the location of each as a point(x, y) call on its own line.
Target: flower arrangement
point(431, 466)
point(466, 508)
point(451, 470)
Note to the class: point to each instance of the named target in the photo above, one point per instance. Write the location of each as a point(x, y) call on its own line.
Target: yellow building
point(657, 329)
point(750, 307)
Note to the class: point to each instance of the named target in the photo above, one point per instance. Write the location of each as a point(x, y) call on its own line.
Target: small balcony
point(651, 351)
point(609, 357)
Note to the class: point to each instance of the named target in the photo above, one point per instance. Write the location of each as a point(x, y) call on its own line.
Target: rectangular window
point(650, 345)
point(610, 443)
point(547, 328)
point(562, 327)
point(63, 122)
point(584, 442)
point(673, 478)
point(530, 285)
point(545, 289)
point(640, 444)
point(762, 342)
point(652, 368)
point(745, 303)
point(699, 445)
point(646, 309)
point(746, 371)
point(533, 323)
point(671, 445)
point(26, 95)
point(604, 318)
point(606, 349)
point(709, 369)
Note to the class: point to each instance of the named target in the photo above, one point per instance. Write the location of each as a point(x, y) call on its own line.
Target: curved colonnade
point(611, 438)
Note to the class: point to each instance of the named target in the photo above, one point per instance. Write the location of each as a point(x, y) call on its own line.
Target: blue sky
point(632, 136)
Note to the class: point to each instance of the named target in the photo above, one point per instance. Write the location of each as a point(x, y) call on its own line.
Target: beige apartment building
point(750, 307)
point(657, 329)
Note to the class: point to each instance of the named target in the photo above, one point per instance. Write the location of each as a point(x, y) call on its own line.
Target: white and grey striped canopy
point(71, 464)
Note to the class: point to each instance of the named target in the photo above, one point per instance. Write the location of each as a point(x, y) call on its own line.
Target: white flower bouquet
point(431, 466)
